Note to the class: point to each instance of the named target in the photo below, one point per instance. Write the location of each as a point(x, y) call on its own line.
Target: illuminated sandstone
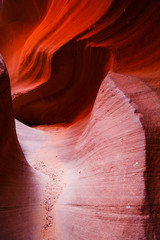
point(84, 76)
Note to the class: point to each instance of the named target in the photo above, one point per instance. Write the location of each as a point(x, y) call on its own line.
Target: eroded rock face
point(85, 74)
point(71, 88)
point(18, 183)
point(105, 188)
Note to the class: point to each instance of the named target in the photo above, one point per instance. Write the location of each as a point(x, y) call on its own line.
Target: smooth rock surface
point(84, 76)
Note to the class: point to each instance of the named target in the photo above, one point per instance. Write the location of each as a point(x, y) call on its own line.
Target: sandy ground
point(39, 146)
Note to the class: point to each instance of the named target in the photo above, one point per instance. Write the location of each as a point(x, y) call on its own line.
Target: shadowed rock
point(18, 183)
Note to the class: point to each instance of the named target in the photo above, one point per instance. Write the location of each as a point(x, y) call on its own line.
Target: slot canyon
point(80, 120)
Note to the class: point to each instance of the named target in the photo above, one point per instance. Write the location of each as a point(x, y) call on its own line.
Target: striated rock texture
point(79, 120)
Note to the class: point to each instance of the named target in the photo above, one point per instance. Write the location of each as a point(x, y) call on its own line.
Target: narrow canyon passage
point(79, 120)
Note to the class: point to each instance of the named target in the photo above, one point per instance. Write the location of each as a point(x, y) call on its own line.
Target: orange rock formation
point(79, 120)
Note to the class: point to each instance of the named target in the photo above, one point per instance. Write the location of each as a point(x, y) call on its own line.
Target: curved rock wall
point(19, 185)
point(85, 76)
point(104, 195)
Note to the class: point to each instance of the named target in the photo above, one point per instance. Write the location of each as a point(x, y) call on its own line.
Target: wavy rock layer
point(129, 30)
point(62, 22)
point(93, 67)
point(72, 87)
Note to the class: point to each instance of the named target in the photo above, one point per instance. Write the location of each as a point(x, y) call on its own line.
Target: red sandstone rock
point(72, 87)
point(96, 176)
point(19, 192)
point(104, 196)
